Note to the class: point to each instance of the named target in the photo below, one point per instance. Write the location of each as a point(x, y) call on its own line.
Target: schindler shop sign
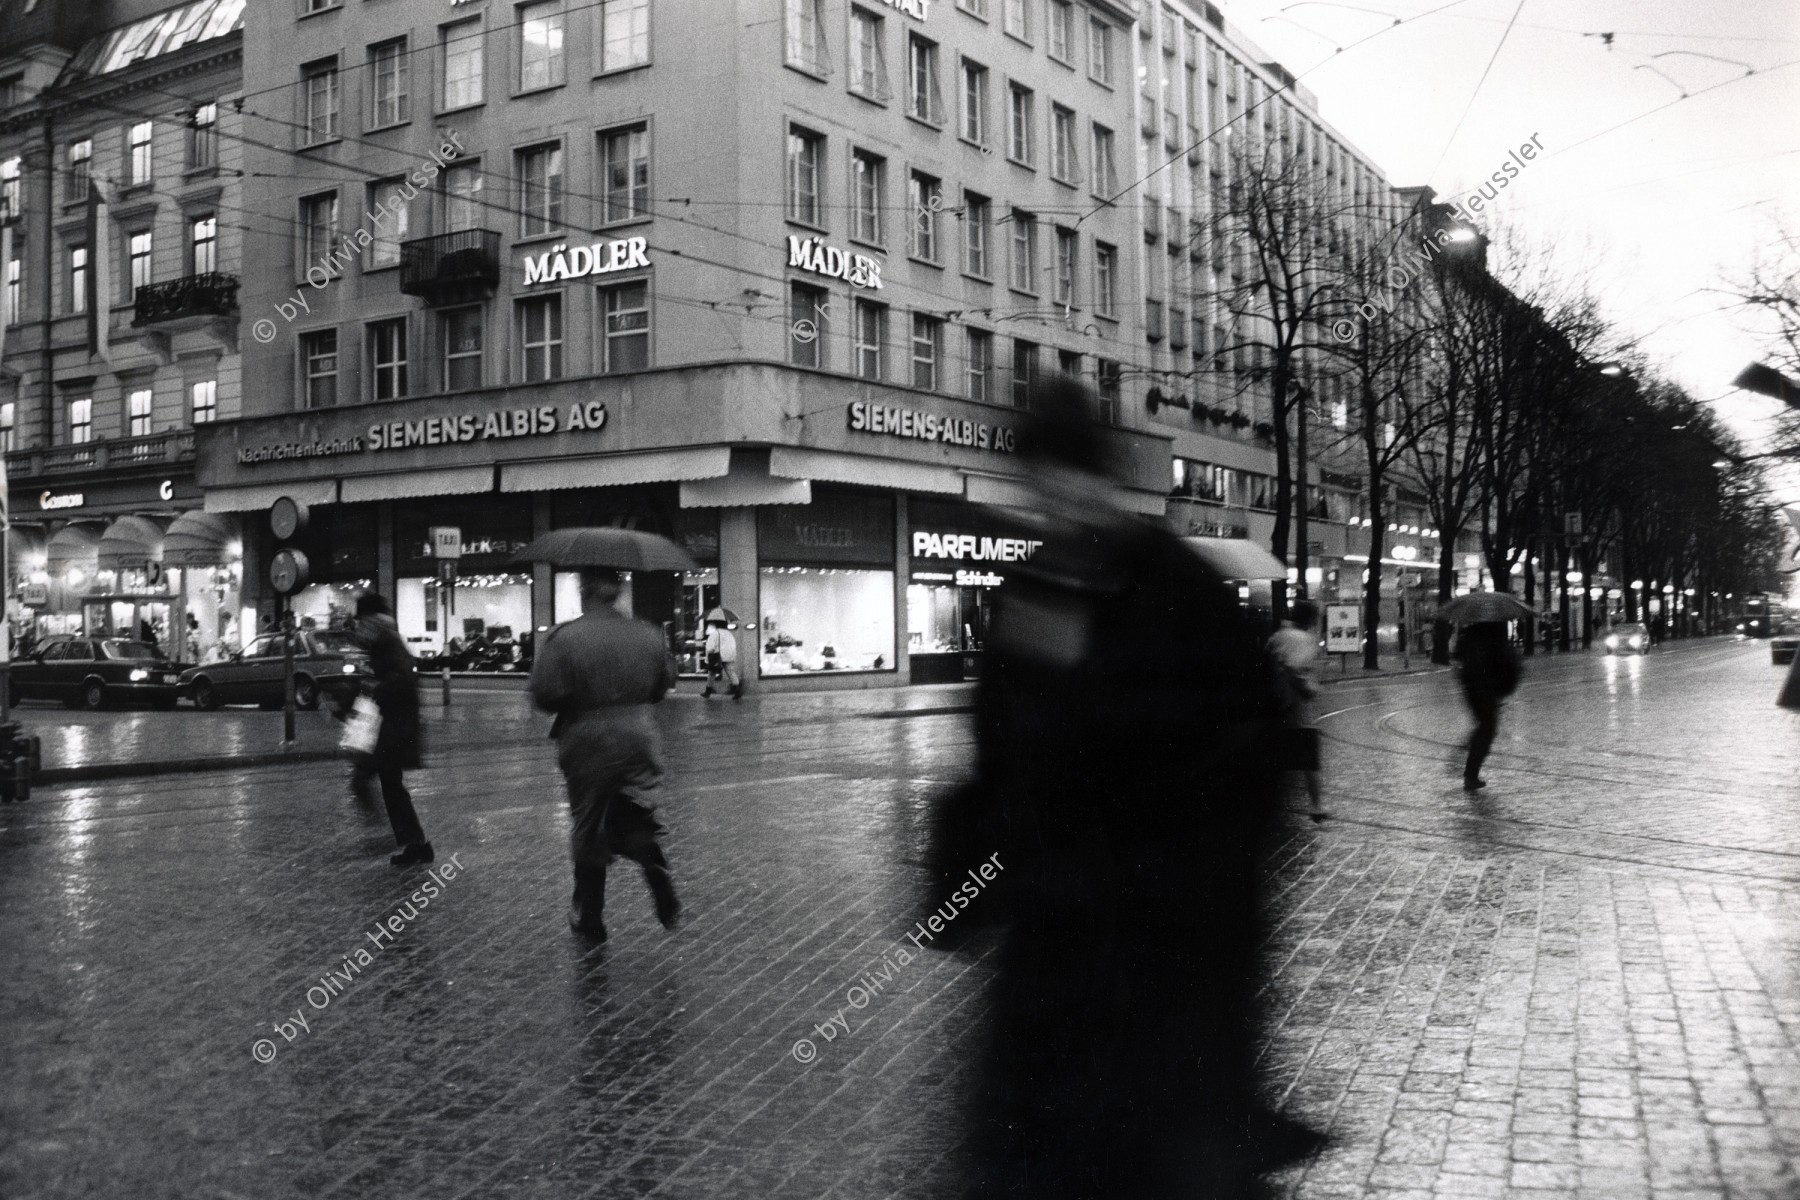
point(448, 430)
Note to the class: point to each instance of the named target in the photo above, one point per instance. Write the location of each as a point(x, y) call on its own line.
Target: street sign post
point(446, 547)
point(288, 573)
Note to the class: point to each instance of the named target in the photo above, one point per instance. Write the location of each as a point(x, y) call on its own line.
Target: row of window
point(137, 156)
point(460, 340)
point(203, 406)
point(538, 198)
point(807, 49)
point(1233, 487)
point(926, 205)
point(925, 366)
point(200, 256)
point(539, 60)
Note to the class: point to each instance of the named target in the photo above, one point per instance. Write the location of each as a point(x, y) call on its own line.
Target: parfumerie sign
point(977, 547)
point(439, 431)
point(895, 421)
point(812, 254)
point(602, 258)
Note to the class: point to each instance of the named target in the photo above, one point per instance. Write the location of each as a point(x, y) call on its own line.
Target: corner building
point(120, 217)
point(768, 277)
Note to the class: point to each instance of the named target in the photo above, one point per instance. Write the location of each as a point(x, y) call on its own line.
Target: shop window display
point(324, 605)
point(826, 619)
point(482, 623)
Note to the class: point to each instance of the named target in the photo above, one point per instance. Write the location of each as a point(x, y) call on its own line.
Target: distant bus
point(1760, 612)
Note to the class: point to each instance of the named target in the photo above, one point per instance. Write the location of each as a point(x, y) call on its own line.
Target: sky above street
point(1658, 201)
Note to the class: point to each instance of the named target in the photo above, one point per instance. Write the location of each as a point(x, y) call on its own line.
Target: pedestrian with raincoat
point(1126, 788)
point(601, 674)
point(399, 744)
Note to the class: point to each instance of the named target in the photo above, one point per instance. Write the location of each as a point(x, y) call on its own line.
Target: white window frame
point(805, 154)
point(972, 92)
point(140, 154)
point(978, 247)
point(867, 333)
point(624, 28)
point(868, 188)
point(81, 420)
point(393, 370)
point(322, 101)
point(1021, 103)
point(611, 338)
point(203, 245)
point(547, 66)
point(925, 194)
point(636, 188)
point(463, 62)
point(390, 83)
point(311, 369)
point(203, 401)
point(540, 199)
point(927, 351)
point(1022, 262)
point(868, 76)
point(140, 412)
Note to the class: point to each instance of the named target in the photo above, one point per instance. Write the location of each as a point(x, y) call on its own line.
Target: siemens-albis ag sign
point(447, 430)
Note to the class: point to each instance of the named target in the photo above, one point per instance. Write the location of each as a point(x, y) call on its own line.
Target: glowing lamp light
point(1573, 576)
point(1668, 589)
point(75, 577)
point(40, 577)
point(1472, 561)
point(1616, 594)
point(1637, 585)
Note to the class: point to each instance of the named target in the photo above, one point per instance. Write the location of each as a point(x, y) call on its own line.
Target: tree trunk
point(1440, 628)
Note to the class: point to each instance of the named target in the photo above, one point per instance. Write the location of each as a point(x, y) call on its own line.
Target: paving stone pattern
point(1584, 982)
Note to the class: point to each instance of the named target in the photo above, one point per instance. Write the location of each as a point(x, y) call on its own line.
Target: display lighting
point(1668, 589)
point(75, 578)
point(1573, 576)
point(1637, 585)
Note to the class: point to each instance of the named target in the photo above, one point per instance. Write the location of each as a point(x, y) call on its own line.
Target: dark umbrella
point(605, 546)
point(720, 614)
point(1479, 607)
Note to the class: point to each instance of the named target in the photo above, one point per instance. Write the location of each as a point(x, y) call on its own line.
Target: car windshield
point(336, 641)
point(119, 648)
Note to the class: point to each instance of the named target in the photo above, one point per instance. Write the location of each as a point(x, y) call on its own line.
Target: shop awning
point(451, 481)
point(130, 543)
point(73, 544)
point(199, 539)
point(793, 463)
point(259, 498)
point(615, 470)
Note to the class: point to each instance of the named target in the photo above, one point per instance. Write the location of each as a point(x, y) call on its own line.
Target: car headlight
point(138, 675)
point(349, 668)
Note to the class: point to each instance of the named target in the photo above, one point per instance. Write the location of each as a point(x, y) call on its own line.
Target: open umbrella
point(1479, 607)
point(605, 546)
point(1237, 558)
point(721, 614)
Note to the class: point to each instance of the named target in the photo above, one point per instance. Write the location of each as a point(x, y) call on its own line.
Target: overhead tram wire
point(1470, 106)
point(1272, 94)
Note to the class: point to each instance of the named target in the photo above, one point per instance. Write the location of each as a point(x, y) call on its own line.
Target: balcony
point(169, 447)
point(191, 300)
point(451, 268)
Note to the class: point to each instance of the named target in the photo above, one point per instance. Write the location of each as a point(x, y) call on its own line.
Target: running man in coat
point(1490, 672)
point(599, 674)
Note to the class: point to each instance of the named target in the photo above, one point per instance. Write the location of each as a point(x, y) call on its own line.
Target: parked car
point(1784, 643)
point(1627, 638)
point(94, 672)
point(327, 663)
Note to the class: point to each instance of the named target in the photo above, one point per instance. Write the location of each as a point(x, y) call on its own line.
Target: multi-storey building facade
point(120, 171)
point(770, 278)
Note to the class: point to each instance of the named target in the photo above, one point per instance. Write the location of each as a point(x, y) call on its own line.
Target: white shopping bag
point(362, 727)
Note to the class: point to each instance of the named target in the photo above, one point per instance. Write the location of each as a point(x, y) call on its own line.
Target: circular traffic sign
point(287, 517)
point(289, 571)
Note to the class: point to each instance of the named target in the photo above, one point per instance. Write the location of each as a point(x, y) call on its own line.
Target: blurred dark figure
point(399, 745)
point(599, 674)
point(1295, 649)
point(1490, 673)
point(1127, 724)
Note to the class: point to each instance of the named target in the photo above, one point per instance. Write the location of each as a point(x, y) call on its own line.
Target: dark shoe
point(579, 922)
point(418, 852)
point(1318, 815)
point(737, 693)
point(662, 889)
point(1474, 785)
point(707, 694)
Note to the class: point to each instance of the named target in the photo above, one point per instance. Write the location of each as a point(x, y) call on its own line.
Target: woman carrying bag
point(396, 744)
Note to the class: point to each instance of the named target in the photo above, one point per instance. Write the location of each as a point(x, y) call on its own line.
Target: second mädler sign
point(894, 420)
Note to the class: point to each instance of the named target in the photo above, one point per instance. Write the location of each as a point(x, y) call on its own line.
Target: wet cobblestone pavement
point(1585, 981)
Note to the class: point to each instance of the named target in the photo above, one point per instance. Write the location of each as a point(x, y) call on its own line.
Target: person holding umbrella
point(599, 674)
point(721, 652)
point(1489, 669)
point(398, 744)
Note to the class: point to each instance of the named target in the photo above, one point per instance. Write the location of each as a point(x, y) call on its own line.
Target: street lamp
point(1767, 381)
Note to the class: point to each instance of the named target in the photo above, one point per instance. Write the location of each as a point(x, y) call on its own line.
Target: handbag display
point(362, 728)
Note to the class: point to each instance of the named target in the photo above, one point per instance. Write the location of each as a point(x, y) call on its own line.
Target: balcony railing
point(451, 267)
point(170, 446)
point(209, 295)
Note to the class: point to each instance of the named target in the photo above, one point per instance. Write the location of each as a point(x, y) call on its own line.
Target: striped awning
point(73, 544)
point(130, 543)
point(200, 539)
